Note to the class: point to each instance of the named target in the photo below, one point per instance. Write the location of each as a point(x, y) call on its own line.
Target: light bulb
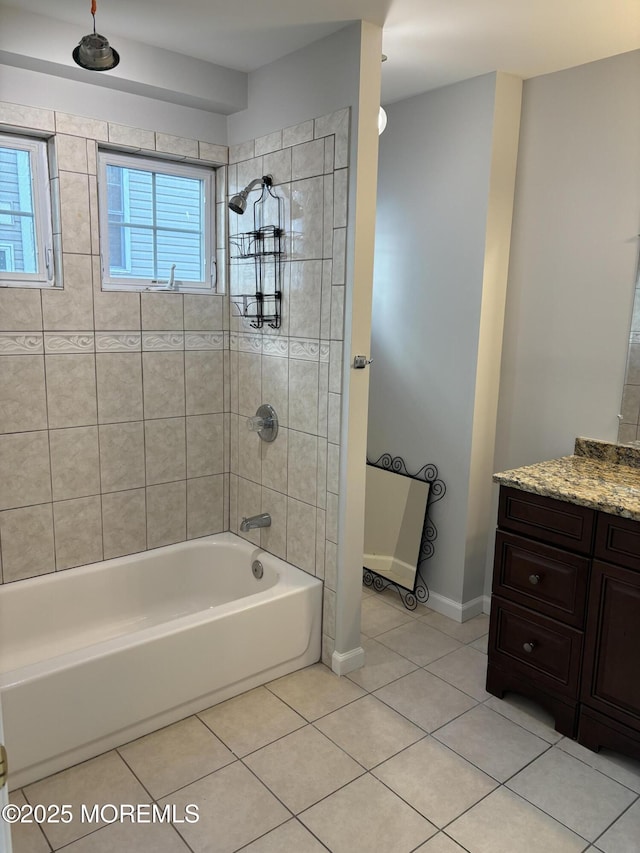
point(382, 120)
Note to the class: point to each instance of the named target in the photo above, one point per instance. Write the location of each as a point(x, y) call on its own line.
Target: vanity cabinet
point(565, 616)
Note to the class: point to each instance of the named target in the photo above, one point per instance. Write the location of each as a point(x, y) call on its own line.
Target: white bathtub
point(93, 657)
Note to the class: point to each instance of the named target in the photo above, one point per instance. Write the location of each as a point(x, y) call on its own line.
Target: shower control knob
point(528, 647)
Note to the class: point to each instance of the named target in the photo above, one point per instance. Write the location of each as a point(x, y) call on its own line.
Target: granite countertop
point(600, 475)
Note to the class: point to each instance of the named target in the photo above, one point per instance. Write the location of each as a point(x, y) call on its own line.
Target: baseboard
point(344, 662)
point(455, 610)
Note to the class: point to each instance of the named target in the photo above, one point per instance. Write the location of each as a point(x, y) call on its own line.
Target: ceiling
point(430, 43)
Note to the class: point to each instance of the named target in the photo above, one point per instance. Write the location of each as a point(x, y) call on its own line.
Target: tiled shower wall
point(298, 367)
point(629, 429)
point(112, 419)
point(122, 413)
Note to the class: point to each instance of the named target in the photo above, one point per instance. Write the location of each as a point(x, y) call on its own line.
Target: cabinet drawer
point(618, 540)
point(536, 647)
point(546, 579)
point(550, 520)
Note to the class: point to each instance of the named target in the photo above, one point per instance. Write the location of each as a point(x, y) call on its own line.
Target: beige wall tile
point(337, 312)
point(135, 137)
point(202, 313)
point(213, 153)
point(71, 390)
point(301, 535)
point(75, 465)
point(327, 218)
point(303, 395)
point(274, 461)
point(71, 307)
point(275, 386)
point(333, 422)
point(122, 461)
point(71, 153)
point(339, 255)
point(20, 309)
point(124, 523)
point(74, 213)
point(274, 538)
point(31, 117)
point(204, 381)
point(164, 384)
point(333, 468)
point(308, 159)
point(321, 486)
point(340, 196)
point(162, 311)
point(278, 165)
point(165, 450)
point(169, 144)
point(205, 445)
point(325, 309)
point(297, 133)
point(307, 202)
point(249, 383)
point(114, 310)
point(81, 126)
point(249, 502)
point(332, 518)
point(249, 453)
point(205, 502)
point(242, 151)
point(302, 466)
point(305, 290)
point(119, 382)
point(321, 519)
point(22, 392)
point(166, 514)
point(27, 542)
point(78, 532)
point(25, 473)
point(268, 143)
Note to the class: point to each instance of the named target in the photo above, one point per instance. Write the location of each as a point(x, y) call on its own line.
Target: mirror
point(398, 536)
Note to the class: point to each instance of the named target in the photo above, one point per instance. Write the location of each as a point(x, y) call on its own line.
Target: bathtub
point(93, 657)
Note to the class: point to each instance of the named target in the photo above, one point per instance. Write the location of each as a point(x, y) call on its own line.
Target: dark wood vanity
point(565, 607)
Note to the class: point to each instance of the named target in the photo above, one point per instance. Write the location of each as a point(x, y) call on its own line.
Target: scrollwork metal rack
point(429, 474)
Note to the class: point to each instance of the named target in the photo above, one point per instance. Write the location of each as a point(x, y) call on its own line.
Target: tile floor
point(408, 754)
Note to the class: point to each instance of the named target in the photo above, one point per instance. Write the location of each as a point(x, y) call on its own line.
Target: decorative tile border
point(304, 349)
point(245, 342)
point(162, 341)
point(204, 340)
point(69, 342)
point(21, 343)
point(325, 350)
point(272, 345)
point(118, 341)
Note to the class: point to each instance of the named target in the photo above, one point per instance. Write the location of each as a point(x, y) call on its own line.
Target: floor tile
point(369, 730)
point(425, 699)
point(418, 642)
point(26, 837)
point(491, 742)
point(466, 669)
point(624, 835)
point(175, 756)
point(435, 781)
point(234, 809)
point(504, 823)
point(464, 632)
point(440, 843)
point(622, 768)
point(315, 691)
point(365, 817)
point(138, 837)
point(303, 767)
point(526, 713)
point(251, 720)
point(291, 837)
point(481, 644)
point(381, 665)
point(105, 779)
point(377, 616)
point(573, 793)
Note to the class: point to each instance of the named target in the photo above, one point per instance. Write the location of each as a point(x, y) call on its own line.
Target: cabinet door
point(611, 674)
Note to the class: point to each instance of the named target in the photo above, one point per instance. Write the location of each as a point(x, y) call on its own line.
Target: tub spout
point(262, 520)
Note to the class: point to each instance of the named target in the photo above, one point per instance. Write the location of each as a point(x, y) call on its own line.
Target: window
point(156, 224)
point(26, 237)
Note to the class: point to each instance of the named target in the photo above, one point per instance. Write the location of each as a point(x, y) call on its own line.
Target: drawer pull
point(529, 647)
point(534, 579)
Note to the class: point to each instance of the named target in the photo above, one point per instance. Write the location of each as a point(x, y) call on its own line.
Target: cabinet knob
point(529, 647)
point(534, 579)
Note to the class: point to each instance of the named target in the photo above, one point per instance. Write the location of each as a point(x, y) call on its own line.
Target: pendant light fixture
point(94, 51)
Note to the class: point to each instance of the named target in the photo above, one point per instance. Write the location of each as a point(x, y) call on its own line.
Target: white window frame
point(41, 194)
point(108, 157)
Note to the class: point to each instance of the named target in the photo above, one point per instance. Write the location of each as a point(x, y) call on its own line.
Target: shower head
point(238, 203)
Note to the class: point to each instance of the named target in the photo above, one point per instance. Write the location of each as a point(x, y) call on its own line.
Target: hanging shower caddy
point(264, 248)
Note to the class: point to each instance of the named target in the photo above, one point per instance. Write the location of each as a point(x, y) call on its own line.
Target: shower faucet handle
point(264, 422)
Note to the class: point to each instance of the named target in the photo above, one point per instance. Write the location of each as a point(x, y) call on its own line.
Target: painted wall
point(573, 263)
point(434, 201)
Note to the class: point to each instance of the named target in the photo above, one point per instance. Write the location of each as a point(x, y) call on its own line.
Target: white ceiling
point(430, 43)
